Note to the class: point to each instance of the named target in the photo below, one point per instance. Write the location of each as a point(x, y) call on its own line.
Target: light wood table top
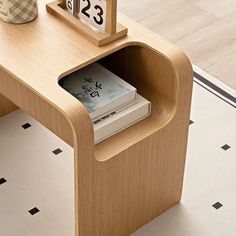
point(37, 54)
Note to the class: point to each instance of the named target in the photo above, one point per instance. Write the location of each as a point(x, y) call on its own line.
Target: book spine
point(123, 101)
point(113, 124)
point(114, 111)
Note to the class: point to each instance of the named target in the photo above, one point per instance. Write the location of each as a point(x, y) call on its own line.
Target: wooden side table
point(127, 180)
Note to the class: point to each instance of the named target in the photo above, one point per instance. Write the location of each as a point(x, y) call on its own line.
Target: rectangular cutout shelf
point(146, 75)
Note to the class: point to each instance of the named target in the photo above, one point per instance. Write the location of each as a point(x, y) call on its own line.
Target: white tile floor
point(36, 177)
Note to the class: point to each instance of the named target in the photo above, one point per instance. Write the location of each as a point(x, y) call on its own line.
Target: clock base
point(58, 9)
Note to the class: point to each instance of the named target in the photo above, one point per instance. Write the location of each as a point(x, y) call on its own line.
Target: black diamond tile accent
point(217, 205)
point(191, 122)
point(2, 181)
point(26, 126)
point(57, 151)
point(226, 147)
point(34, 210)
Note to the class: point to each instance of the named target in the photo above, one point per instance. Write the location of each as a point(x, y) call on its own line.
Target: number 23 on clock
point(93, 12)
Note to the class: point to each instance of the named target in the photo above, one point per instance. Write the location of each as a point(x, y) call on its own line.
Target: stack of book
point(112, 103)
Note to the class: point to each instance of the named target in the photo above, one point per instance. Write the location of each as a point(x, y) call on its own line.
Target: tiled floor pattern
point(36, 177)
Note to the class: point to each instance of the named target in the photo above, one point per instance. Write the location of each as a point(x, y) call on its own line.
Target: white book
point(100, 90)
point(121, 119)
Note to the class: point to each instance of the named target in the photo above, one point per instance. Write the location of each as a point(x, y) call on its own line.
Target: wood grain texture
point(216, 49)
point(111, 16)
point(6, 106)
point(134, 176)
point(204, 29)
point(219, 8)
